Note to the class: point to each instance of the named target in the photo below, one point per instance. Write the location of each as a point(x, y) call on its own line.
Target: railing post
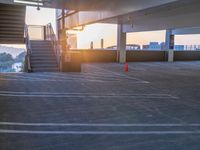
point(63, 40)
point(28, 47)
point(45, 35)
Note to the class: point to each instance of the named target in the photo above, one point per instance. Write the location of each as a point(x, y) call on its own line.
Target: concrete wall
point(186, 55)
point(100, 56)
point(146, 55)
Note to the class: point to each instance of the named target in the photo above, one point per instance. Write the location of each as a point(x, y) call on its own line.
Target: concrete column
point(169, 45)
point(121, 44)
point(102, 43)
point(91, 45)
point(63, 40)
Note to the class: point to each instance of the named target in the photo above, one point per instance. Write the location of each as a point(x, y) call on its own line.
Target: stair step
point(11, 32)
point(17, 8)
point(8, 25)
point(42, 52)
point(11, 41)
point(14, 36)
point(12, 29)
point(41, 43)
point(12, 23)
point(45, 69)
point(42, 57)
point(17, 18)
point(33, 61)
point(42, 49)
point(33, 53)
point(44, 65)
point(46, 57)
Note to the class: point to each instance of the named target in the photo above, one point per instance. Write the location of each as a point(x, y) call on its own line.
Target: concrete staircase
point(12, 24)
point(43, 58)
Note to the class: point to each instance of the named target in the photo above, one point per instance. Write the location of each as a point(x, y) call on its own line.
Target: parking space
point(153, 106)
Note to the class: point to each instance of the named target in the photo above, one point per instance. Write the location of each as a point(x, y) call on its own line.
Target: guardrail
point(50, 35)
point(27, 65)
point(103, 55)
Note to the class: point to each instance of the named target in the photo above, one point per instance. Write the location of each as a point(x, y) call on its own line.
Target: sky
point(96, 32)
point(108, 32)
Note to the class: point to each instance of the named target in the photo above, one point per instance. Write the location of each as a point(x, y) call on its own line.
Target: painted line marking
point(82, 77)
point(20, 76)
point(98, 124)
point(83, 95)
point(35, 80)
point(62, 79)
point(119, 74)
point(59, 77)
point(88, 77)
point(50, 80)
point(98, 132)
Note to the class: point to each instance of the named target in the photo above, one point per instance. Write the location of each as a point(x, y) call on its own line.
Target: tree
point(6, 61)
point(4, 57)
point(20, 57)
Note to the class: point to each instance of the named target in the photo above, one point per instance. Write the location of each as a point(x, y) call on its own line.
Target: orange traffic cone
point(126, 67)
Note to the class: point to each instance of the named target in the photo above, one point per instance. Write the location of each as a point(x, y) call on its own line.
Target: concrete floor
point(153, 106)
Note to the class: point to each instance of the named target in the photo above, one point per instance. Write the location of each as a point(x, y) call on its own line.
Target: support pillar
point(63, 40)
point(121, 44)
point(102, 43)
point(169, 45)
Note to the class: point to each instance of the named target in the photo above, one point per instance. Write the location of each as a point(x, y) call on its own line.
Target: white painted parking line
point(27, 80)
point(20, 76)
point(49, 80)
point(103, 76)
point(58, 78)
point(40, 132)
point(97, 124)
point(71, 80)
point(80, 78)
point(119, 74)
point(85, 95)
point(92, 76)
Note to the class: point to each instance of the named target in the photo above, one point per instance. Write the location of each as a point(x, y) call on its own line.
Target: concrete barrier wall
point(186, 55)
point(99, 56)
point(146, 55)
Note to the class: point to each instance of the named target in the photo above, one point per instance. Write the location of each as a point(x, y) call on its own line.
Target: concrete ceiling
point(93, 5)
point(96, 5)
point(173, 15)
point(184, 14)
point(135, 15)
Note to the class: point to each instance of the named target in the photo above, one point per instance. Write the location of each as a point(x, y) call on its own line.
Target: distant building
point(132, 47)
point(111, 48)
point(145, 47)
point(154, 46)
point(179, 47)
point(128, 47)
point(162, 45)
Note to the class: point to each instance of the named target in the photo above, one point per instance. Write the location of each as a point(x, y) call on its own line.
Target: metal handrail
point(28, 54)
point(50, 35)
